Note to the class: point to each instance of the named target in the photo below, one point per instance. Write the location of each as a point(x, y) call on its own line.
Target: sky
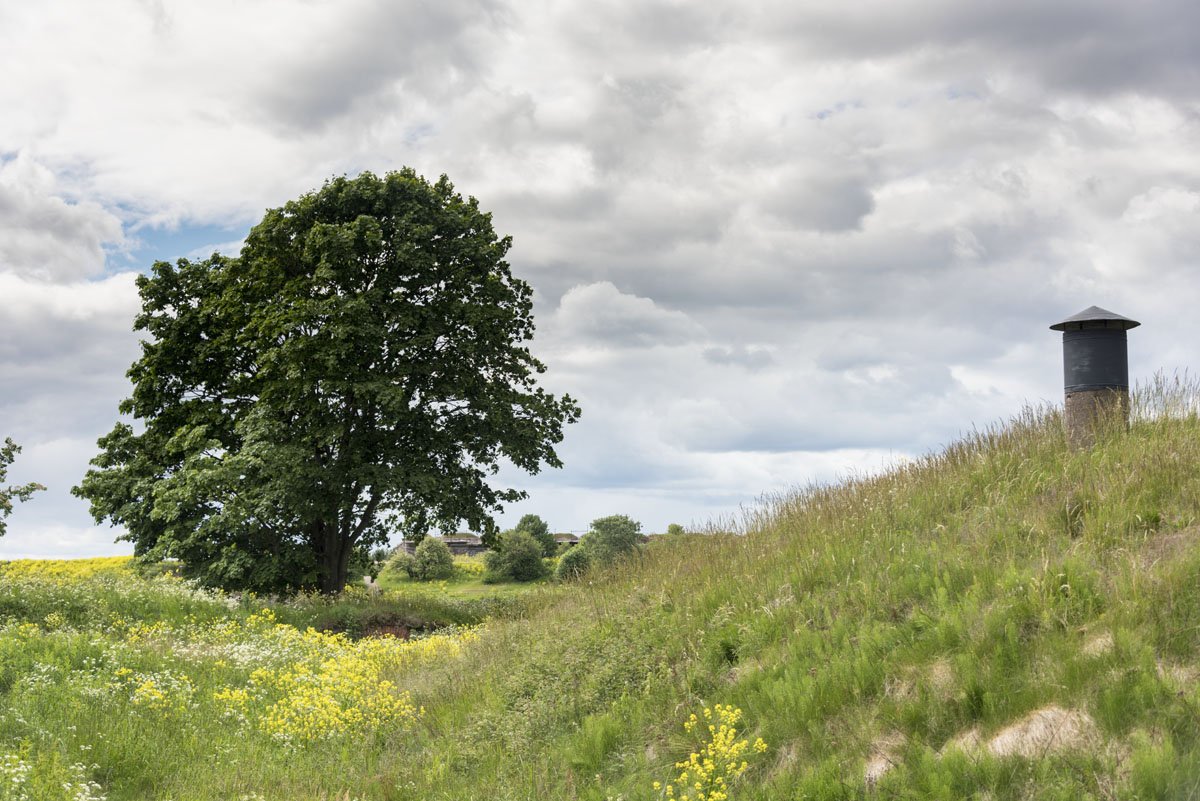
point(771, 243)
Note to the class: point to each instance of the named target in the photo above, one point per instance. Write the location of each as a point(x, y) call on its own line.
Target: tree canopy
point(24, 492)
point(611, 537)
point(360, 367)
point(537, 528)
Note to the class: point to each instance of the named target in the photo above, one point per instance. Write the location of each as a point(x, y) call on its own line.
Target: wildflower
point(719, 760)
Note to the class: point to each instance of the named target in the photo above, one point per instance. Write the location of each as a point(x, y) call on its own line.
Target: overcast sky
point(771, 242)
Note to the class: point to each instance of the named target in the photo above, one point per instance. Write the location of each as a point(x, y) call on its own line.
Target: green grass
point(947, 599)
point(467, 583)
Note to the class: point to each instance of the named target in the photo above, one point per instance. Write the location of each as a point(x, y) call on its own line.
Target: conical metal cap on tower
point(1095, 317)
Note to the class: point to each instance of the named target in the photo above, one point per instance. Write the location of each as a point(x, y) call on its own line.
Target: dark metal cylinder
point(1095, 358)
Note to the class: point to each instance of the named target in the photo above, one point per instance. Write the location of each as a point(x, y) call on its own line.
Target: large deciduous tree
point(361, 365)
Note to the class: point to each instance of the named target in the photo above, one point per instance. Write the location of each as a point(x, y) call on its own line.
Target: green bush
point(433, 561)
point(572, 564)
point(612, 537)
point(540, 531)
point(402, 563)
point(517, 557)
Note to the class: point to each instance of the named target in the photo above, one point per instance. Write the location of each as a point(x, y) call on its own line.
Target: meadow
point(467, 583)
point(1005, 619)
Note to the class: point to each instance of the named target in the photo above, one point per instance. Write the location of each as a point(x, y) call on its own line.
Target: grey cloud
point(634, 119)
point(649, 32)
point(822, 203)
point(751, 358)
point(65, 350)
point(1078, 45)
point(882, 407)
point(423, 49)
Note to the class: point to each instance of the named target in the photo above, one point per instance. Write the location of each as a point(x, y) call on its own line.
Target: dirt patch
point(938, 677)
point(397, 630)
point(1097, 645)
point(785, 762)
point(1043, 731)
point(898, 687)
point(969, 740)
point(1182, 676)
point(885, 753)
point(941, 678)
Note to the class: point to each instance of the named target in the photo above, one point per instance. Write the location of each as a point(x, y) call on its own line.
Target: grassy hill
point(1007, 619)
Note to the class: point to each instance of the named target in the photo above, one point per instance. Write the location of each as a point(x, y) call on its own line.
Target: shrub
point(402, 563)
point(433, 561)
point(612, 537)
point(674, 529)
point(573, 564)
point(517, 557)
point(536, 527)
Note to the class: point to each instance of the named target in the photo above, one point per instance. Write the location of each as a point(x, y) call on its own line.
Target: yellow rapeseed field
point(67, 569)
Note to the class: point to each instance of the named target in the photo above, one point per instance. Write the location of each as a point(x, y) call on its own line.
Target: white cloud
point(600, 314)
point(44, 236)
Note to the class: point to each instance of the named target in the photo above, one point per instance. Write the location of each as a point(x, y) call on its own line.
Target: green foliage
point(915, 619)
point(572, 564)
point(9, 452)
point(432, 561)
point(517, 557)
point(366, 563)
point(675, 529)
point(401, 562)
point(363, 359)
point(540, 531)
point(612, 537)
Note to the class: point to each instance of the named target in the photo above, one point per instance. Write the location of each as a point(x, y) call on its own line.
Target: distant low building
point(569, 540)
point(463, 544)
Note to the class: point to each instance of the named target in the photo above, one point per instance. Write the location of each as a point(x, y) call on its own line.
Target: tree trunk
point(335, 560)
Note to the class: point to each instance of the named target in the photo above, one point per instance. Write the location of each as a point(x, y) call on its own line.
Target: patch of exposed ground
point(1097, 645)
point(885, 753)
point(969, 740)
point(938, 677)
point(1051, 729)
point(941, 678)
point(1182, 676)
point(1044, 731)
point(898, 687)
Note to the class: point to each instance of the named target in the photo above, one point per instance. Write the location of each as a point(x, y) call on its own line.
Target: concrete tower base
point(1086, 410)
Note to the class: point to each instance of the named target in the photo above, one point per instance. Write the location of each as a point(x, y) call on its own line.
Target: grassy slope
point(962, 592)
point(884, 617)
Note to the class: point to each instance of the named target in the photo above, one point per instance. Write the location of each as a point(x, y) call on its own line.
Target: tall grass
point(880, 635)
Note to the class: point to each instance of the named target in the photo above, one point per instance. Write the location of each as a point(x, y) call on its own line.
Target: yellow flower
point(719, 758)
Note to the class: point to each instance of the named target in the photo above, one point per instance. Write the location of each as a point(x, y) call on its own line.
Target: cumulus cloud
point(599, 315)
point(43, 235)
